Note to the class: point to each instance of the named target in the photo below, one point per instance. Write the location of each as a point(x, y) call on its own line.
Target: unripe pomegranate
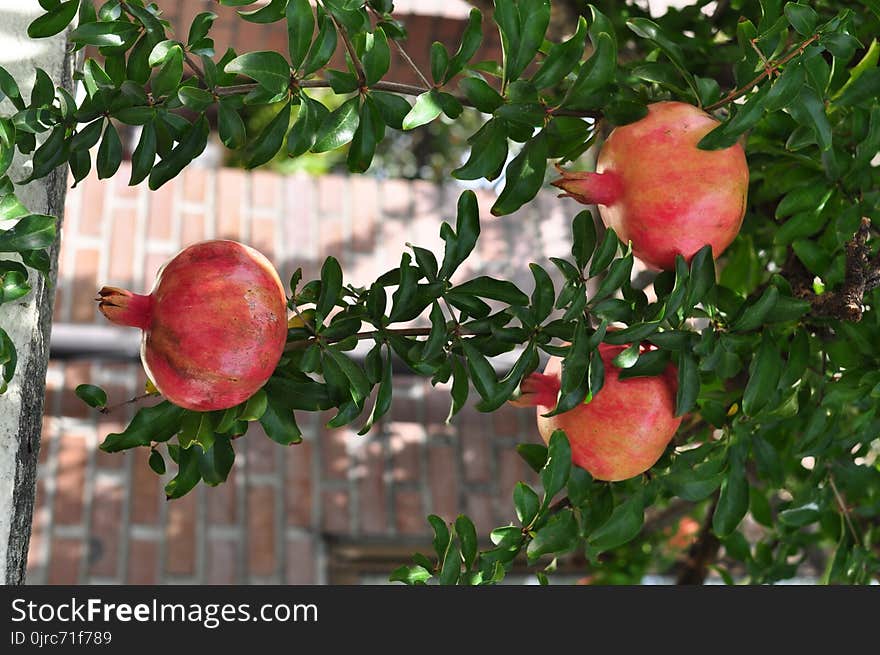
point(622, 431)
point(215, 324)
point(654, 187)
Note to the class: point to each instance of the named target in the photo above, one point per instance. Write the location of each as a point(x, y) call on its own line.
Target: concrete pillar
point(27, 322)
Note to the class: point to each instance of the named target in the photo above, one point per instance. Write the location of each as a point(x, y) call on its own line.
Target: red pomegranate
point(654, 187)
point(215, 324)
point(622, 431)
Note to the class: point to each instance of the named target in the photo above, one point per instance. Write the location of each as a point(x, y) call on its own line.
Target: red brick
point(404, 440)
point(91, 217)
point(75, 373)
point(332, 191)
point(443, 481)
point(475, 445)
point(335, 507)
point(222, 499)
point(364, 213)
point(511, 469)
point(300, 238)
point(122, 247)
point(193, 227)
point(396, 199)
point(70, 479)
point(372, 490)
point(409, 513)
point(64, 561)
point(298, 484)
point(152, 265)
point(106, 528)
point(262, 452)
point(230, 189)
point(180, 534)
point(146, 492)
point(160, 212)
point(479, 508)
point(194, 184)
point(81, 285)
point(300, 562)
point(222, 561)
point(265, 189)
point(119, 183)
point(334, 454)
point(143, 557)
point(263, 237)
point(332, 239)
point(506, 421)
point(262, 559)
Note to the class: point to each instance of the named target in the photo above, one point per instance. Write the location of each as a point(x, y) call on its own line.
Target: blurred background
point(337, 508)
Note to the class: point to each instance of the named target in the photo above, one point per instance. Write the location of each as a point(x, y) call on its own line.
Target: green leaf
point(192, 144)
point(746, 117)
point(488, 153)
point(188, 474)
point(764, 373)
point(809, 111)
point(733, 501)
point(322, 48)
point(54, 21)
point(268, 13)
point(524, 177)
point(9, 89)
point(331, 286)
point(561, 59)
point(166, 81)
point(647, 29)
point(157, 463)
point(482, 96)
point(409, 574)
point(393, 108)
point(216, 462)
point(753, 316)
point(300, 29)
point(460, 388)
point(270, 140)
point(470, 43)
point(622, 526)
point(583, 230)
point(91, 395)
point(369, 132)
point(526, 502)
point(801, 17)
point(383, 398)
point(144, 155)
point(157, 423)
point(535, 455)
point(461, 241)
point(31, 232)
point(279, 422)
point(269, 69)
point(200, 27)
point(786, 88)
point(302, 135)
point(558, 536)
point(109, 153)
point(604, 253)
point(426, 108)
point(544, 293)
point(798, 517)
point(554, 475)
point(596, 73)
point(114, 33)
point(377, 56)
point(338, 127)
point(230, 125)
point(688, 384)
point(467, 535)
point(488, 287)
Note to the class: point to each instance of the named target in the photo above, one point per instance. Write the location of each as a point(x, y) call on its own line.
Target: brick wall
point(281, 517)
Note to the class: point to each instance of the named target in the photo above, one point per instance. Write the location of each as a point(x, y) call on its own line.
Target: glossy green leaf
point(623, 525)
point(338, 127)
point(271, 139)
point(54, 21)
point(524, 177)
point(269, 69)
point(91, 395)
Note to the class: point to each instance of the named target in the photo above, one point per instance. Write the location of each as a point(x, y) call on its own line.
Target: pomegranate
point(214, 326)
point(622, 431)
point(654, 187)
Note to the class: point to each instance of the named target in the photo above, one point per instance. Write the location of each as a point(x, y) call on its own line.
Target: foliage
point(778, 368)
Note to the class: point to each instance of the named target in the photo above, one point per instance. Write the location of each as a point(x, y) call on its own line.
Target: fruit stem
point(123, 307)
point(590, 188)
point(537, 389)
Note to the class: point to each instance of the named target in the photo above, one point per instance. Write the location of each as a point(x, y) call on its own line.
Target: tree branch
point(862, 275)
point(702, 552)
point(769, 69)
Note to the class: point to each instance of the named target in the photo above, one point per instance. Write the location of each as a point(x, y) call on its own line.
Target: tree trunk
point(28, 322)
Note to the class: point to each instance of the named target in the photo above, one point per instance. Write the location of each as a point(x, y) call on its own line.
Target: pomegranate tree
point(654, 187)
point(214, 325)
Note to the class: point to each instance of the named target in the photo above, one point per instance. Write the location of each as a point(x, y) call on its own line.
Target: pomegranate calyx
point(537, 389)
point(123, 307)
point(590, 188)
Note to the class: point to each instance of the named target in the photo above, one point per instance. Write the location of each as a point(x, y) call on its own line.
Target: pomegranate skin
point(654, 187)
point(622, 431)
point(215, 324)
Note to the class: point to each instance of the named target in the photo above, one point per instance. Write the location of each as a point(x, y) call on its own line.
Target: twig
point(405, 56)
point(768, 70)
point(862, 275)
point(305, 321)
point(194, 66)
point(844, 509)
point(702, 552)
point(349, 46)
point(111, 408)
